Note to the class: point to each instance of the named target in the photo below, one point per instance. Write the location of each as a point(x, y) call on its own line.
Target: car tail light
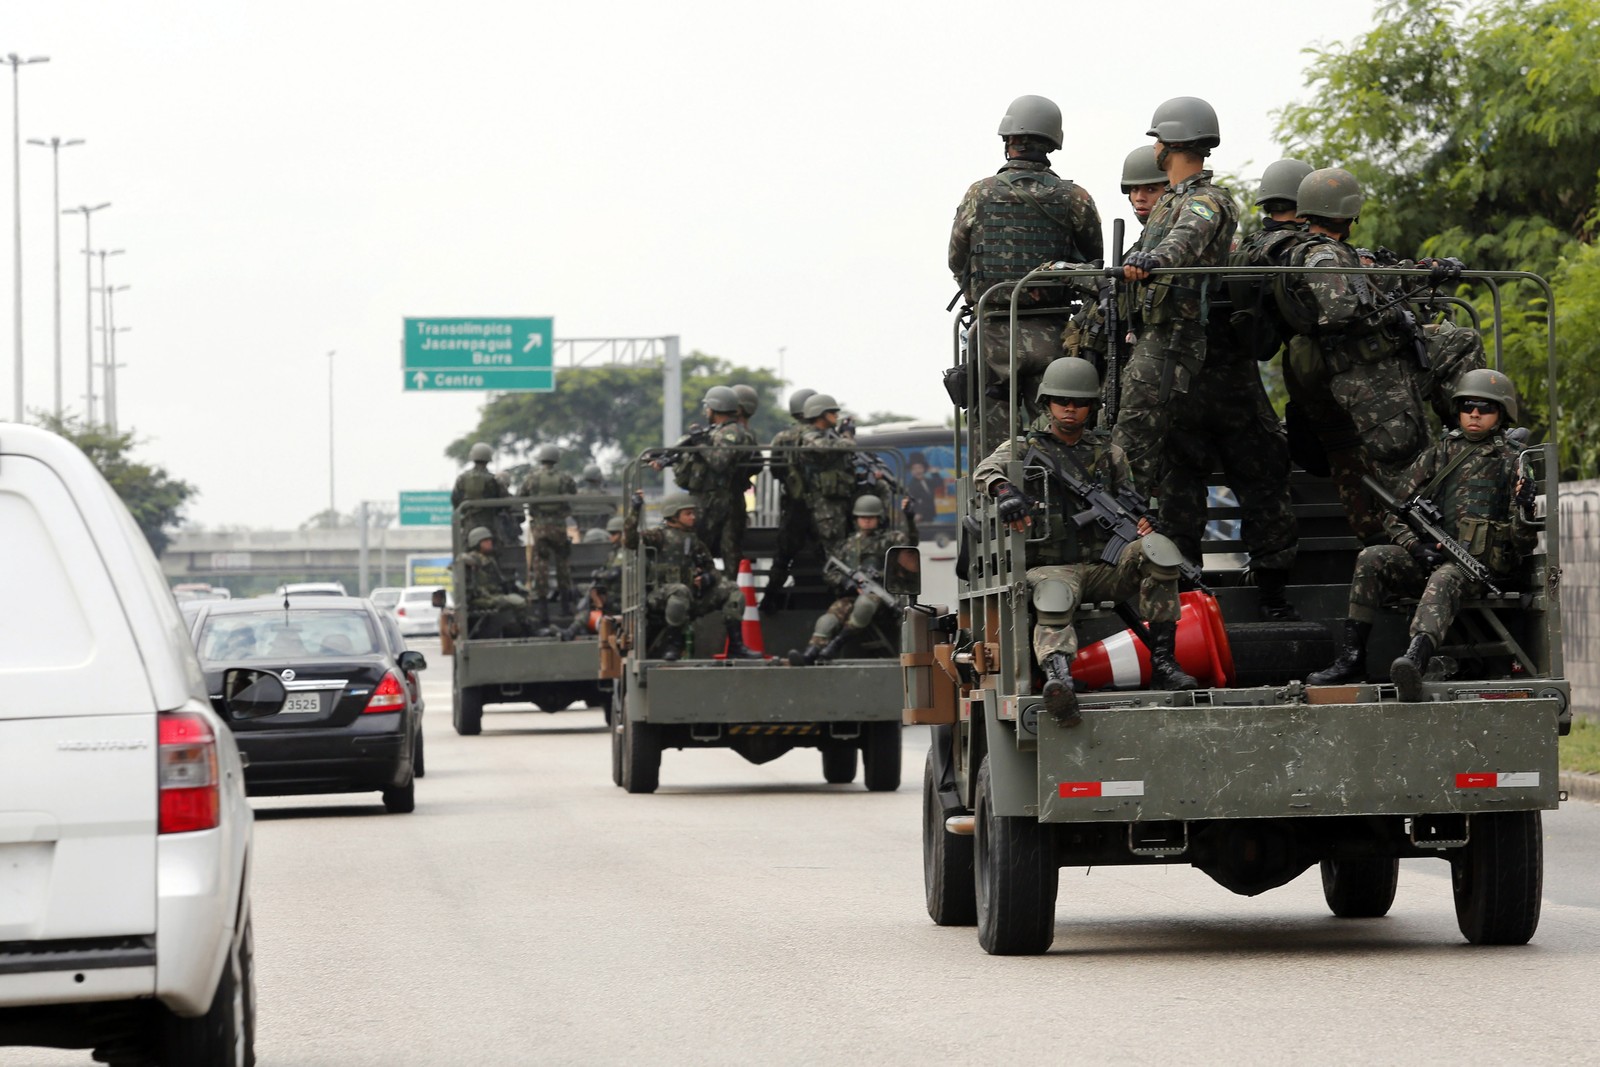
point(400, 610)
point(389, 696)
point(190, 799)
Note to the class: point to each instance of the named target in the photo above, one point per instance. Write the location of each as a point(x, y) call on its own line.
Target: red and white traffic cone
point(752, 617)
point(1122, 661)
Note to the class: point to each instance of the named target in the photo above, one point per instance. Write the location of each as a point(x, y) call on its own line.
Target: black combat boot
point(736, 645)
point(1164, 670)
point(672, 644)
point(1060, 691)
point(1407, 671)
point(829, 651)
point(1272, 605)
point(1351, 664)
point(808, 657)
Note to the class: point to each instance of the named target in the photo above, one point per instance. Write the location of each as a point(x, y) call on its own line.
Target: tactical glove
point(1426, 556)
point(1143, 261)
point(1012, 505)
point(512, 600)
point(1441, 271)
point(638, 500)
point(1525, 495)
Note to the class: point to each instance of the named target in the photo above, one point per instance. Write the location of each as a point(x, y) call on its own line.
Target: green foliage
point(1475, 131)
point(153, 497)
point(609, 414)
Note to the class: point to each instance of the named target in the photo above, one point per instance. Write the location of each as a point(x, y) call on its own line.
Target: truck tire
point(947, 877)
point(1016, 878)
point(880, 756)
point(614, 722)
point(225, 1036)
point(1497, 878)
point(468, 711)
point(641, 757)
point(838, 762)
point(1360, 888)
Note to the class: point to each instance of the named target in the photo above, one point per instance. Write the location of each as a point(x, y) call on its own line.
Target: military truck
point(547, 671)
point(847, 709)
point(1253, 782)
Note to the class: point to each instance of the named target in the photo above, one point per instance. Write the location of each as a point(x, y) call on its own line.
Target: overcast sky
point(290, 178)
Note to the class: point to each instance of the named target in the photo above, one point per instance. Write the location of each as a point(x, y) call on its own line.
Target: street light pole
point(109, 369)
point(56, 144)
point(105, 342)
point(331, 513)
point(17, 63)
point(88, 306)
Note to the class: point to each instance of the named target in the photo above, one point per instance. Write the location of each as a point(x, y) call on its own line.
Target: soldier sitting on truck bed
point(856, 607)
point(604, 590)
point(495, 606)
point(682, 583)
point(1471, 476)
point(1064, 568)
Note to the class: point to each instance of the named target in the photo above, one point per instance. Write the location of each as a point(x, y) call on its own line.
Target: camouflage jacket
point(1021, 217)
point(826, 470)
point(864, 550)
point(1094, 457)
point(484, 582)
point(540, 482)
point(1474, 498)
point(723, 470)
point(678, 554)
point(1192, 225)
point(476, 484)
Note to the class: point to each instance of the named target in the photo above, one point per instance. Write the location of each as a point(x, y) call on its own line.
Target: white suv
point(124, 832)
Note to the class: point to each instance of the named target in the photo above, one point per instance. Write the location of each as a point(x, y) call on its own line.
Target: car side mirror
point(438, 598)
point(251, 694)
point(902, 569)
point(410, 660)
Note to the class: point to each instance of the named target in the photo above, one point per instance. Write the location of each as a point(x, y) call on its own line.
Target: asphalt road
point(529, 912)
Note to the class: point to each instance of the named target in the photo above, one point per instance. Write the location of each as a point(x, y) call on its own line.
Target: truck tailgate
point(706, 691)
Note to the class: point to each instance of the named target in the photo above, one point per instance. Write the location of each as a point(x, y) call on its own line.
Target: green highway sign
point(496, 354)
point(425, 509)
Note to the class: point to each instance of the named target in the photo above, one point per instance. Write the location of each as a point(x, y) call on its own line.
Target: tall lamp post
point(332, 515)
point(87, 210)
point(56, 144)
point(17, 63)
point(109, 347)
point(105, 316)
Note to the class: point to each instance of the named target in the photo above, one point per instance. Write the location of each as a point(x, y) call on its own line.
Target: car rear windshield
point(278, 635)
point(419, 596)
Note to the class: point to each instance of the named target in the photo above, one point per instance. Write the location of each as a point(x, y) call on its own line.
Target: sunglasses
point(1476, 407)
point(1070, 401)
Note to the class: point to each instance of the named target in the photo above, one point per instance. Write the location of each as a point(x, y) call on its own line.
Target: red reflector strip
point(1498, 780)
point(1068, 790)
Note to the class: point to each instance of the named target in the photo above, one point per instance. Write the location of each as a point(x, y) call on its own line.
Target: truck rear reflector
point(1498, 780)
point(1101, 789)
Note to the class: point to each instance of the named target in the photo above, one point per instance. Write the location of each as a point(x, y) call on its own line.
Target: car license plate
point(302, 702)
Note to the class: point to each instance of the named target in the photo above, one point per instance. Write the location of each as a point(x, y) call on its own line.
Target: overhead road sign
point(430, 508)
point(490, 354)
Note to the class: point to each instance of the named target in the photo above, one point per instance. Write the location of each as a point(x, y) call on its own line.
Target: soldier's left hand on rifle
point(1013, 506)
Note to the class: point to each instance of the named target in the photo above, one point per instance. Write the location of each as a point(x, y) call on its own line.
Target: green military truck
point(847, 709)
point(543, 668)
point(1254, 782)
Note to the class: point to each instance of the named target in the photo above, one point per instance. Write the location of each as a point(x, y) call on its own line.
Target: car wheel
point(1360, 888)
point(880, 756)
point(838, 762)
point(225, 1036)
point(402, 799)
point(416, 755)
point(468, 711)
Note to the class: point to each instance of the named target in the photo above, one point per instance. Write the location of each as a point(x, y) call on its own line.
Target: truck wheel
point(614, 721)
point(946, 861)
point(641, 757)
point(468, 711)
point(225, 1036)
point(880, 756)
point(838, 762)
point(1497, 878)
point(1016, 880)
point(1360, 888)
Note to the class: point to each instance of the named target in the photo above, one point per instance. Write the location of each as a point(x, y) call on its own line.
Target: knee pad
point(676, 610)
point(1053, 602)
point(862, 611)
point(827, 626)
point(1160, 557)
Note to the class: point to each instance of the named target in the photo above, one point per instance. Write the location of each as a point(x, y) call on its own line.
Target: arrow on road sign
point(421, 379)
point(535, 340)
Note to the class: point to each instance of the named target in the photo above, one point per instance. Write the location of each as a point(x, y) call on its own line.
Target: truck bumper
point(711, 691)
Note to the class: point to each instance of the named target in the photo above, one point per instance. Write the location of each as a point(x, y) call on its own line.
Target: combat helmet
point(1033, 116)
point(867, 506)
point(1486, 384)
point(819, 404)
point(1185, 120)
point(720, 400)
point(547, 454)
point(1281, 181)
point(1069, 376)
point(1330, 193)
point(615, 524)
point(481, 453)
point(592, 473)
point(595, 536)
point(1140, 169)
point(478, 535)
point(673, 503)
point(749, 400)
point(797, 401)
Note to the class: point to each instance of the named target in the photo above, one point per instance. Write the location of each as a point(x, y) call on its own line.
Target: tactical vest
point(673, 561)
point(1257, 327)
point(543, 482)
point(1066, 542)
point(478, 485)
point(1187, 296)
point(865, 550)
point(1362, 340)
point(828, 473)
point(1024, 219)
point(1474, 498)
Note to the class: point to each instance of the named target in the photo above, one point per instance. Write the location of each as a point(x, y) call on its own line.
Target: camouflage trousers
point(502, 622)
point(1389, 570)
point(550, 548)
point(1156, 589)
point(720, 526)
point(852, 613)
point(678, 604)
point(1174, 351)
point(1227, 423)
point(831, 519)
point(1038, 343)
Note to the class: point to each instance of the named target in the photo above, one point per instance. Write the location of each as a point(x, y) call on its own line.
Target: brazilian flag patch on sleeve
point(1200, 209)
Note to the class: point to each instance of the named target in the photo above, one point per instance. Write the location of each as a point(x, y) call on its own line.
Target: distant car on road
point(385, 597)
point(311, 589)
point(353, 718)
point(416, 611)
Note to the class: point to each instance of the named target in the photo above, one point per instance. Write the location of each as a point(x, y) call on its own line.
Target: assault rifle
point(667, 457)
point(867, 582)
point(868, 467)
point(1425, 519)
point(1117, 514)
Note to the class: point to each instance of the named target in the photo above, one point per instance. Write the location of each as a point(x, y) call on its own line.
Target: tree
point(610, 414)
point(154, 498)
point(1475, 131)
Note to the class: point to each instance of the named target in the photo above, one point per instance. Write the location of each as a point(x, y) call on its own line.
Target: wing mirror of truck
point(902, 569)
point(250, 694)
point(412, 661)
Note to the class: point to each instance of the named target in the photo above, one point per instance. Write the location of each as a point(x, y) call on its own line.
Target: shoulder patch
point(1202, 210)
point(1321, 256)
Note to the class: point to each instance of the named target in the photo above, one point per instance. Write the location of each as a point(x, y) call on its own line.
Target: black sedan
point(353, 719)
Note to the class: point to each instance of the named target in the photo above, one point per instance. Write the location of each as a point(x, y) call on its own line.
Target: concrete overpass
point(251, 560)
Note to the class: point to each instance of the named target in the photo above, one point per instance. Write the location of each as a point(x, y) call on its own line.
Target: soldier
point(1471, 475)
point(606, 587)
point(749, 403)
point(1143, 183)
point(477, 483)
point(719, 476)
point(794, 518)
point(1064, 568)
point(549, 543)
point(682, 583)
point(1192, 225)
point(593, 483)
point(863, 550)
point(824, 475)
point(1006, 226)
point(495, 607)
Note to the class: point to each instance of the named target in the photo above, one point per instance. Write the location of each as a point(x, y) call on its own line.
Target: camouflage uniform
point(862, 550)
point(795, 530)
point(1006, 225)
point(478, 484)
point(1192, 225)
point(1072, 554)
point(488, 613)
point(590, 517)
point(824, 478)
point(720, 477)
point(681, 583)
point(549, 521)
point(1475, 499)
point(604, 594)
